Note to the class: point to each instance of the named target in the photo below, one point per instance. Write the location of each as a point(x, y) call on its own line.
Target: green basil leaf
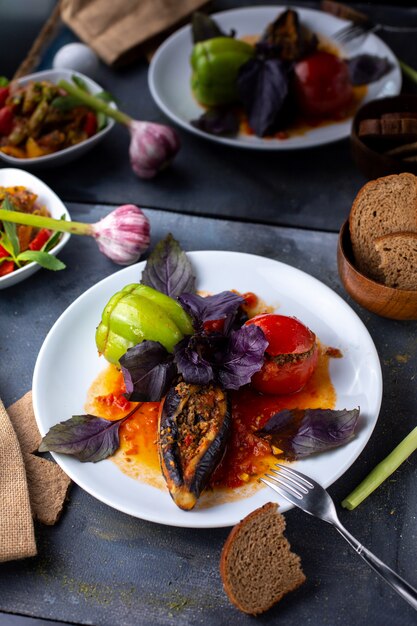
point(105, 95)
point(46, 260)
point(5, 242)
point(4, 81)
point(80, 82)
point(54, 238)
point(101, 120)
point(66, 103)
point(10, 228)
point(5, 258)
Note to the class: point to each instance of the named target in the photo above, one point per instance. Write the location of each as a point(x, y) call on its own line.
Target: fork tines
point(288, 483)
point(351, 32)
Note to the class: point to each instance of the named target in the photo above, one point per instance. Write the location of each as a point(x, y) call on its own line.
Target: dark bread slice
point(399, 115)
point(383, 206)
point(388, 126)
point(257, 566)
point(398, 259)
point(385, 133)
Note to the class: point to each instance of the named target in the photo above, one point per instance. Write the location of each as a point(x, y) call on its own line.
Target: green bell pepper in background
point(215, 63)
point(136, 313)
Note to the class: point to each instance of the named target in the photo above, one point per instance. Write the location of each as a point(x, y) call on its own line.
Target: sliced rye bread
point(388, 131)
point(383, 206)
point(257, 566)
point(398, 259)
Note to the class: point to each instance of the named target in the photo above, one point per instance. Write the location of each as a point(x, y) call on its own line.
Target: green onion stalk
point(122, 235)
point(152, 146)
point(382, 471)
point(408, 71)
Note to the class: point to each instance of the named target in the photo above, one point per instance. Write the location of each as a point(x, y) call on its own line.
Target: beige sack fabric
point(17, 539)
point(114, 28)
point(47, 482)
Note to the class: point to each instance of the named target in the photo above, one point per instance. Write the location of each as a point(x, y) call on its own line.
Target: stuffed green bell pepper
point(136, 313)
point(215, 63)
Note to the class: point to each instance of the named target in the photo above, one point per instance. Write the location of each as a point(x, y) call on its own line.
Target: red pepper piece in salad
point(40, 239)
point(6, 120)
point(4, 94)
point(6, 267)
point(90, 124)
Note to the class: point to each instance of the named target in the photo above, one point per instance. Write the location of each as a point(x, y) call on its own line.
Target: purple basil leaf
point(203, 27)
point(217, 307)
point(148, 371)
point(244, 357)
point(367, 68)
point(88, 438)
point(190, 362)
point(301, 432)
point(218, 121)
point(168, 269)
point(262, 86)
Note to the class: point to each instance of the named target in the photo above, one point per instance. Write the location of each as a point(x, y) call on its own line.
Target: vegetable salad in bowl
point(42, 124)
point(24, 248)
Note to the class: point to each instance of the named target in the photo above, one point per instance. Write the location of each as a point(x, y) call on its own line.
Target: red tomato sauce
point(247, 456)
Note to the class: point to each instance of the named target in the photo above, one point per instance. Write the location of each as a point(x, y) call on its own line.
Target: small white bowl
point(10, 177)
point(67, 154)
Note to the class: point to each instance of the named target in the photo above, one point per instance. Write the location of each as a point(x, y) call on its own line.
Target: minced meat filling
point(200, 412)
point(282, 359)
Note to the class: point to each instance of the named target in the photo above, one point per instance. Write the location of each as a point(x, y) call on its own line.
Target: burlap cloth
point(117, 29)
point(30, 486)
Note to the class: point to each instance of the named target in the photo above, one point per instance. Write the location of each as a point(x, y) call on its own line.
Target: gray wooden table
point(100, 566)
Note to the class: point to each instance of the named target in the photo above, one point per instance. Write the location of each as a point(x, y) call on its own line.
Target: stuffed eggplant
point(194, 425)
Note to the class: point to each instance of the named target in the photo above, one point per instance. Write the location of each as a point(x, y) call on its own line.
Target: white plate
point(10, 177)
point(68, 154)
point(170, 73)
point(68, 363)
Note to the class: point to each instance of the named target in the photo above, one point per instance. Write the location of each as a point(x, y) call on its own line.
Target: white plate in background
point(170, 73)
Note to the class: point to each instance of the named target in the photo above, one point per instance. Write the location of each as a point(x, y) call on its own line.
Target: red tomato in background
point(6, 120)
point(322, 85)
point(290, 358)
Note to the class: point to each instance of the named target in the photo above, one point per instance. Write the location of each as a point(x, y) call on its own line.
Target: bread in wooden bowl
point(398, 304)
point(257, 566)
point(381, 129)
point(398, 259)
point(383, 206)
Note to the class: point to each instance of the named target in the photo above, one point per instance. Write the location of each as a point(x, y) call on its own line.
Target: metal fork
point(356, 30)
point(312, 498)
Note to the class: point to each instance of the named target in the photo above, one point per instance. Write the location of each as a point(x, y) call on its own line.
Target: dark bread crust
point(382, 206)
point(257, 566)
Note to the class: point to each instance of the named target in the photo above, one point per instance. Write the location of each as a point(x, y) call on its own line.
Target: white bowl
point(10, 177)
point(67, 154)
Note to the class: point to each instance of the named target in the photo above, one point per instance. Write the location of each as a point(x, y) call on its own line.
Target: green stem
point(408, 71)
point(94, 103)
point(40, 221)
point(381, 472)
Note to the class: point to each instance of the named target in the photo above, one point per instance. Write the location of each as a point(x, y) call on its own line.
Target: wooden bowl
point(397, 304)
point(369, 160)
